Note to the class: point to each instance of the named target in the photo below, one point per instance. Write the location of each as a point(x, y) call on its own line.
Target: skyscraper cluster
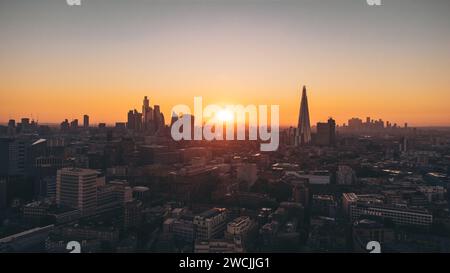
point(370, 125)
point(150, 120)
point(24, 126)
point(73, 125)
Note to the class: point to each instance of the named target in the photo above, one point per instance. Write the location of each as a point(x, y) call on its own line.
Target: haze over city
point(390, 62)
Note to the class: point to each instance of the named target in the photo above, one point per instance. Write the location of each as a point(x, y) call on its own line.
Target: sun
point(225, 115)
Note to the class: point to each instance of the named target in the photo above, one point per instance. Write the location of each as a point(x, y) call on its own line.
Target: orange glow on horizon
point(58, 62)
point(101, 107)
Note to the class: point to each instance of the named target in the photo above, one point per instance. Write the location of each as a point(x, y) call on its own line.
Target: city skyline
point(304, 125)
point(243, 128)
point(356, 60)
point(156, 115)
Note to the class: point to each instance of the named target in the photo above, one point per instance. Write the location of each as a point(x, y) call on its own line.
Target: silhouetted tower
point(303, 132)
point(147, 114)
point(86, 121)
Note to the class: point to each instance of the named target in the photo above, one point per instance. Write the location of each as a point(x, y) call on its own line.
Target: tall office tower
point(145, 105)
point(355, 124)
point(65, 125)
point(162, 120)
point(134, 120)
point(25, 122)
point(74, 124)
point(326, 133)
point(11, 127)
point(15, 155)
point(331, 132)
point(137, 120)
point(303, 134)
point(147, 113)
point(130, 120)
point(86, 121)
point(4, 156)
point(77, 188)
point(158, 118)
point(12, 123)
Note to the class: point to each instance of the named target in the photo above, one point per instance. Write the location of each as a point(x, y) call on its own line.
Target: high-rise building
point(403, 147)
point(158, 118)
point(74, 124)
point(5, 155)
point(130, 120)
point(65, 125)
point(15, 155)
point(147, 114)
point(11, 127)
point(145, 104)
point(12, 123)
point(303, 133)
point(326, 133)
point(86, 121)
point(355, 124)
point(25, 123)
point(134, 121)
point(132, 214)
point(77, 188)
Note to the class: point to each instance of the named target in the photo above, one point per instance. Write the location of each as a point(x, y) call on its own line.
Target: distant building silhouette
point(326, 133)
point(147, 114)
point(134, 120)
point(303, 132)
point(86, 121)
point(65, 126)
point(74, 124)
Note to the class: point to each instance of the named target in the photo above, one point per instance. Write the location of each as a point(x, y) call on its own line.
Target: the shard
point(303, 132)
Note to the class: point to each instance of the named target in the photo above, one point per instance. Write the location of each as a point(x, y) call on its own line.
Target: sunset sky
point(102, 58)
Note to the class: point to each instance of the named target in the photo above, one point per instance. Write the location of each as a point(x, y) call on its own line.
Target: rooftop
point(211, 213)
